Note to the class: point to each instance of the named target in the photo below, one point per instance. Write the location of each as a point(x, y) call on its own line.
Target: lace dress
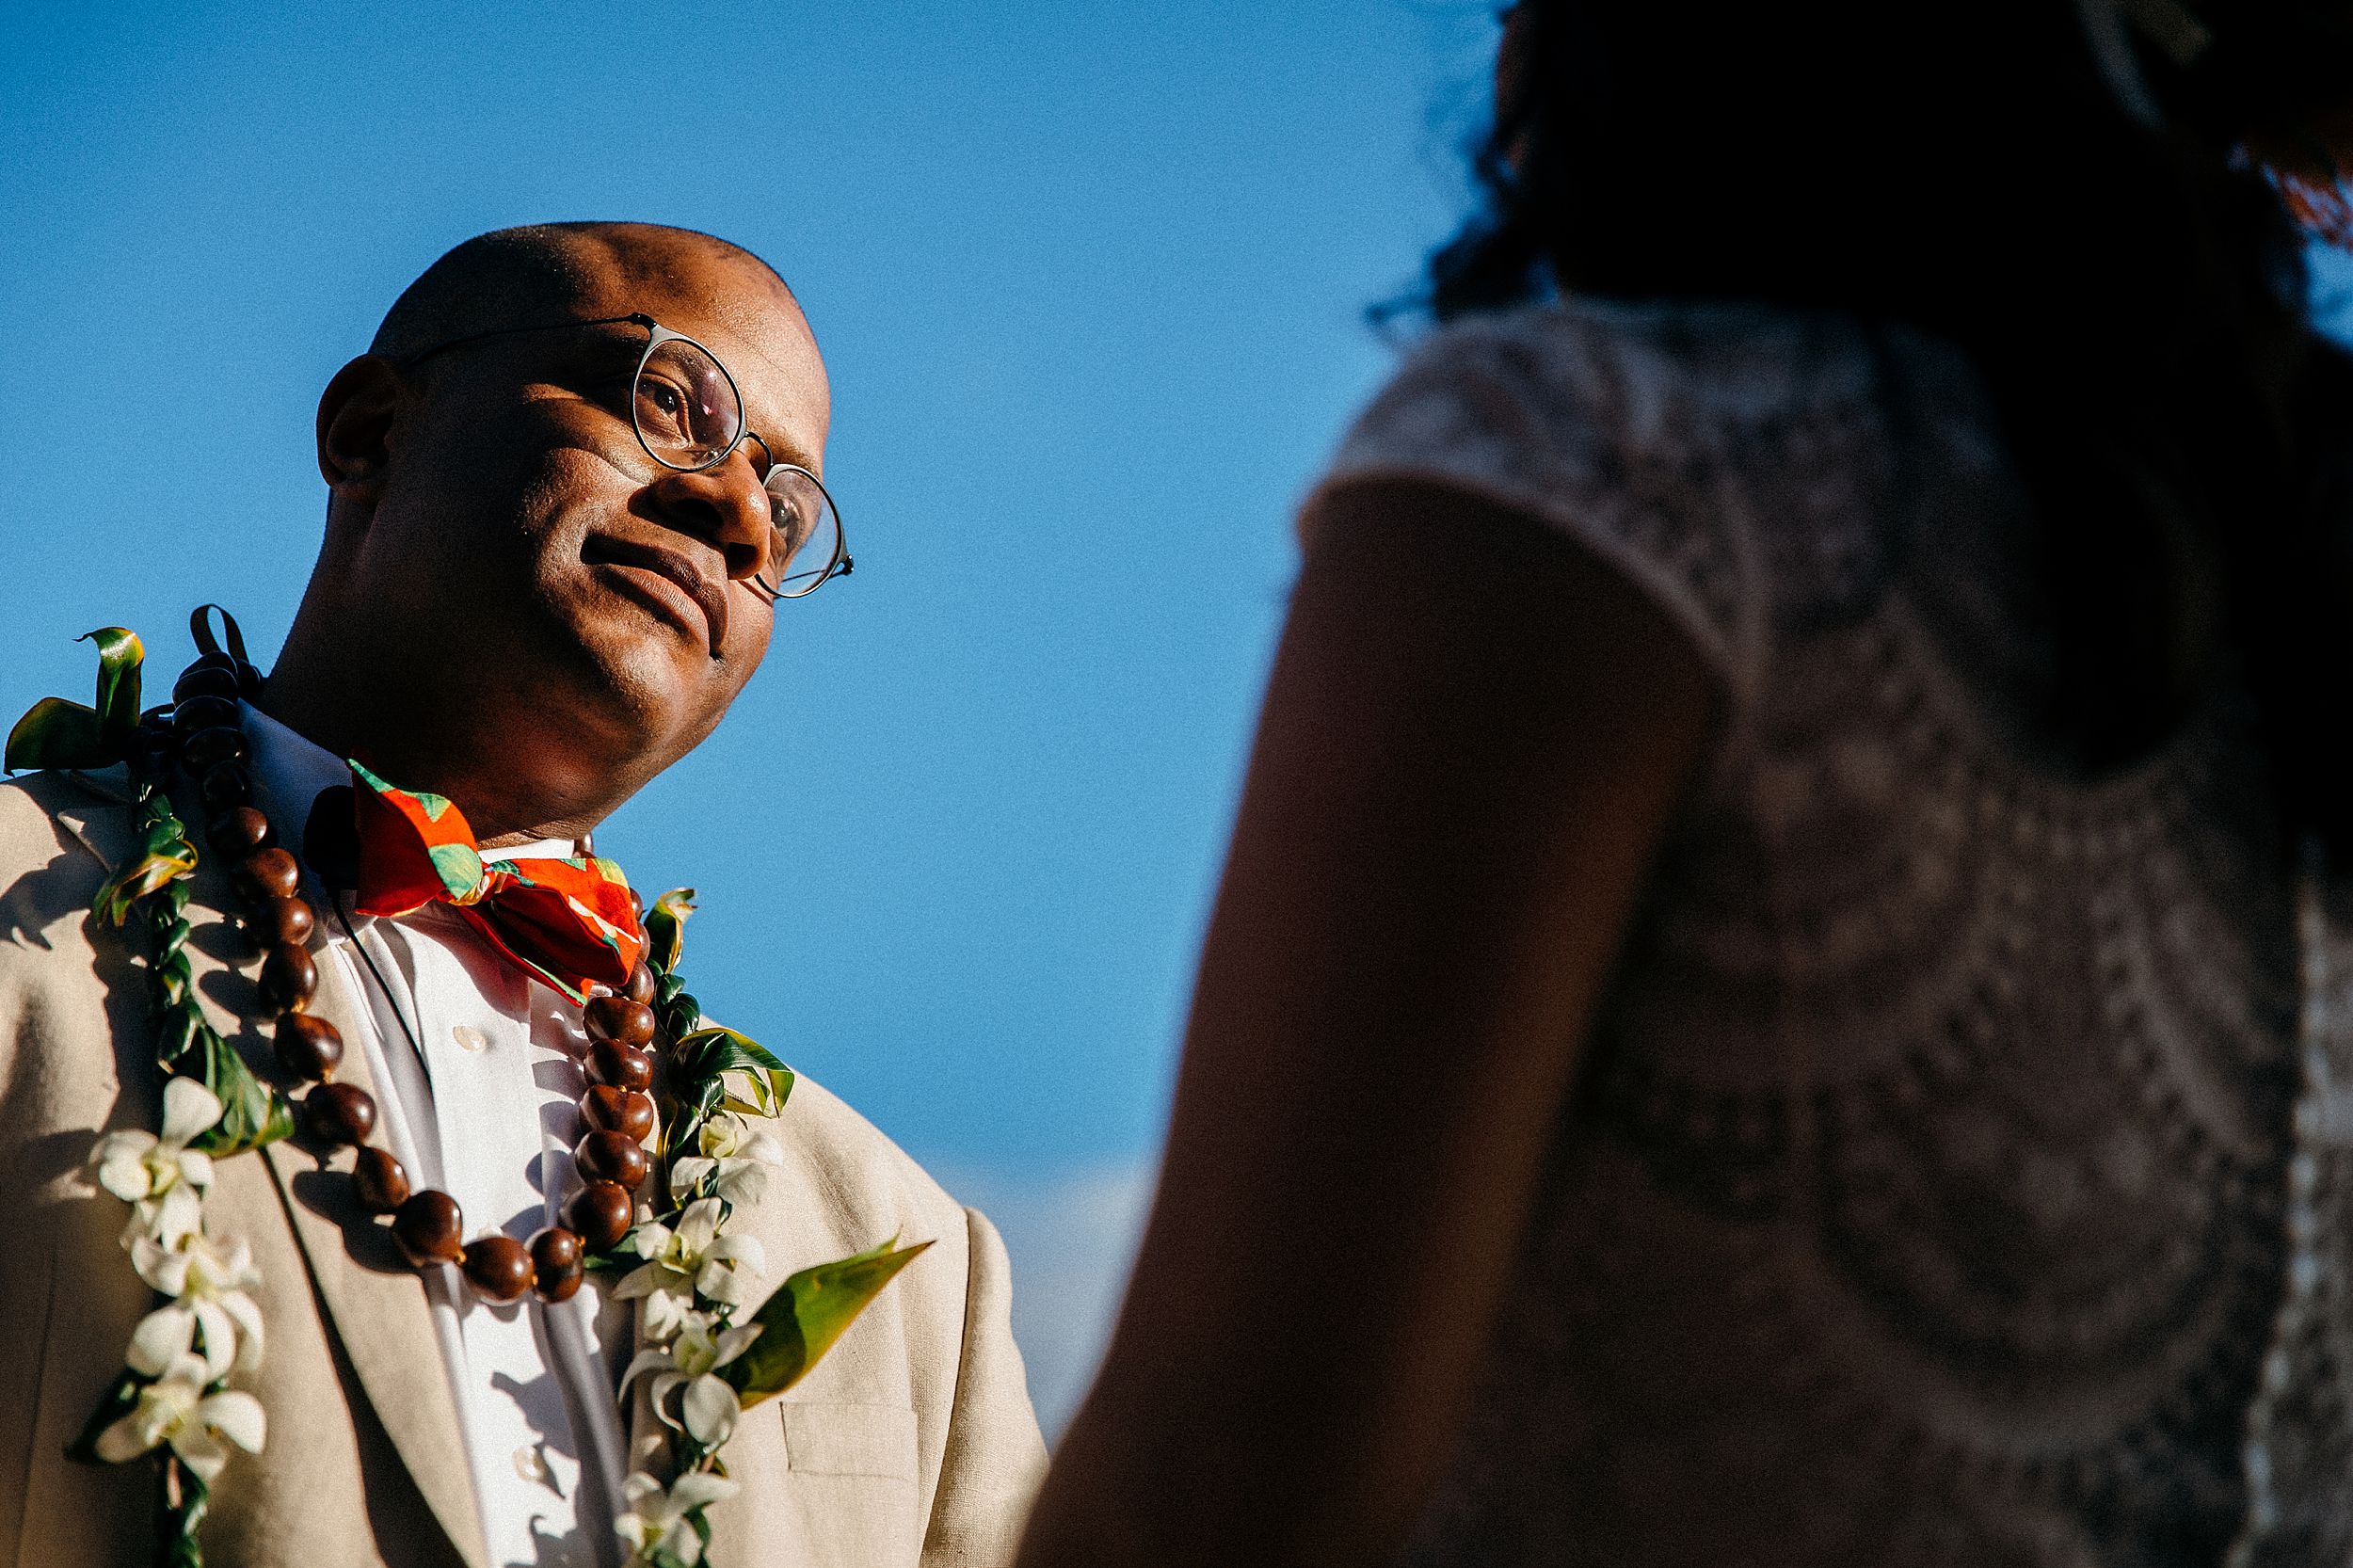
point(1956, 1175)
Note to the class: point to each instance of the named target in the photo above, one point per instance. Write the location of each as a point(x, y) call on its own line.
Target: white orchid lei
point(693, 1281)
point(207, 1327)
point(173, 1399)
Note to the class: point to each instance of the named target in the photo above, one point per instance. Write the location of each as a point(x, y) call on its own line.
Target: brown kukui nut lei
point(205, 738)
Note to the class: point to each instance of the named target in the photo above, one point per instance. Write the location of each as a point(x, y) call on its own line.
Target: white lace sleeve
point(1591, 429)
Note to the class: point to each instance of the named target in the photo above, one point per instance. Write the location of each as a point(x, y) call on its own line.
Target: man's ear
point(356, 427)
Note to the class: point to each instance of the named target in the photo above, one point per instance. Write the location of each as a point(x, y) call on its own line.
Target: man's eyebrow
point(783, 449)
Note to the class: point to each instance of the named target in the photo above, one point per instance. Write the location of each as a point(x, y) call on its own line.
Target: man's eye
point(661, 409)
point(792, 532)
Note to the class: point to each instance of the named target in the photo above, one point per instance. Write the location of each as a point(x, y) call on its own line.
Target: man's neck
point(519, 769)
point(506, 806)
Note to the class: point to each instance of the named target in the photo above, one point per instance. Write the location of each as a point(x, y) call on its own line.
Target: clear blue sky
point(1090, 281)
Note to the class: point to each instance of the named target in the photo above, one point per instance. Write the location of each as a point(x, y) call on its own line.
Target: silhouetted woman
point(1783, 992)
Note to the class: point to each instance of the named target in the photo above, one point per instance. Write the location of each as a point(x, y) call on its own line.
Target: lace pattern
point(1927, 1198)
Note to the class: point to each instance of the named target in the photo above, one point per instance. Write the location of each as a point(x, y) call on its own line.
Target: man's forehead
point(713, 293)
point(690, 283)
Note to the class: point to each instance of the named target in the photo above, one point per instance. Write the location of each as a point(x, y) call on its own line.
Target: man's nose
point(727, 507)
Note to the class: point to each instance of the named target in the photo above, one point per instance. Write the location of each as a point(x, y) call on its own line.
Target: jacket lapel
point(375, 1302)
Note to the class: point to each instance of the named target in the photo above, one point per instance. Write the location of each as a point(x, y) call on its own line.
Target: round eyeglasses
point(689, 417)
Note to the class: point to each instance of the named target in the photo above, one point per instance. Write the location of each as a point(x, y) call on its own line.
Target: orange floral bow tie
point(570, 923)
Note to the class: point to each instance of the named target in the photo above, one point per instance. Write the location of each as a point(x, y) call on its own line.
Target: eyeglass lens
point(688, 416)
point(807, 542)
point(686, 408)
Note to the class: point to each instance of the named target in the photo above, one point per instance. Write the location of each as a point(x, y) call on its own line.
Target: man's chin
point(632, 677)
point(636, 688)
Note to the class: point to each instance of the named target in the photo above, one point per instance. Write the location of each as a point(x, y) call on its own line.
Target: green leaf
point(678, 1016)
point(182, 1515)
point(166, 858)
point(251, 1112)
point(176, 1034)
point(719, 1049)
point(54, 733)
point(119, 1402)
point(768, 1091)
point(709, 1052)
point(139, 878)
point(165, 835)
point(119, 655)
point(666, 928)
point(800, 1322)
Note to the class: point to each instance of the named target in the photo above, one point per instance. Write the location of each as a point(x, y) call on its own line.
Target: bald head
point(544, 272)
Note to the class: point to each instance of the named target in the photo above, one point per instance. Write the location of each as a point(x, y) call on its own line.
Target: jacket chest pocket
point(854, 1484)
point(872, 1440)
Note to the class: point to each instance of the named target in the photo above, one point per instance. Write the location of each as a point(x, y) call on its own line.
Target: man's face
point(523, 531)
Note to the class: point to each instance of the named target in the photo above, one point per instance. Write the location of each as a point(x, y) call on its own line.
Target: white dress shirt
point(478, 1076)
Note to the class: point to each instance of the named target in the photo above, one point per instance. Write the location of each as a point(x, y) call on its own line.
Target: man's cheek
point(749, 632)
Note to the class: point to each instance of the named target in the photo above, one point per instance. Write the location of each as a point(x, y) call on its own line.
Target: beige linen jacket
point(913, 1442)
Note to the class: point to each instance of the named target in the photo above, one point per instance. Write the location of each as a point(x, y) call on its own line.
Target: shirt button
point(529, 1465)
point(470, 1039)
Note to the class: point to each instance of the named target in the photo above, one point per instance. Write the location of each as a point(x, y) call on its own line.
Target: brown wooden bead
point(619, 1021)
point(620, 1066)
point(288, 979)
point(555, 1254)
point(226, 786)
point(611, 1156)
point(201, 714)
point(601, 1214)
point(238, 832)
point(383, 1186)
point(309, 1048)
point(622, 1111)
point(643, 987)
point(267, 873)
point(429, 1228)
point(339, 1113)
point(284, 919)
point(205, 680)
point(498, 1267)
point(209, 748)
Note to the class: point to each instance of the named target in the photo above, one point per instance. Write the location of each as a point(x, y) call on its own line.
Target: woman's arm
point(1472, 742)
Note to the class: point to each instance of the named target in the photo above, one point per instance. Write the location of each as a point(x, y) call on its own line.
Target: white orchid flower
point(175, 1409)
point(733, 1150)
point(704, 1344)
point(207, 1282)
point(657, 1518)
point(693, 1257)
point(158, 1174)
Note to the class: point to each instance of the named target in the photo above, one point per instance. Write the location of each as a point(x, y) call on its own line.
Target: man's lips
point(674, 566)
